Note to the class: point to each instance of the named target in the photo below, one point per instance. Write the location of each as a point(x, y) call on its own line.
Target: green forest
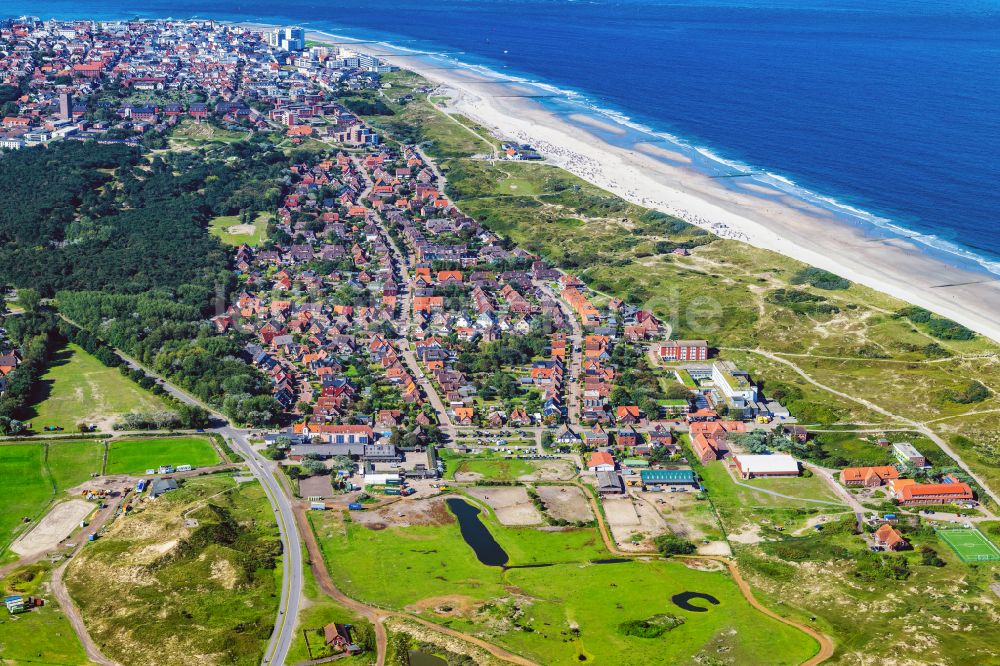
point(119, 237)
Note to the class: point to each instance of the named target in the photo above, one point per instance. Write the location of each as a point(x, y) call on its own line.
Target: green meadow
point(552, 604)
point(77, 388)
point(43, 635)
point(135, 456)
point(488, 466)
point(223, 228)
point(33, 474)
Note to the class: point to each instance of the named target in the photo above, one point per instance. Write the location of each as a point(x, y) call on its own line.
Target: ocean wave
point(780, 182)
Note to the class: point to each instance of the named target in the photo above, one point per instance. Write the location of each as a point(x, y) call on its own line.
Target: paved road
point(573, 387)
point(291, 582)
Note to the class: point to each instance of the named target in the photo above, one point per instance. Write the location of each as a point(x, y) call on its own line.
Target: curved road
point(264, 471)
point(915, 425)
point(291, 579)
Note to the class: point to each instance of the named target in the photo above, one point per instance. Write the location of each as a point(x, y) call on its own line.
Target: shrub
point(671, 544)
point(652, 627)
point(974, 391)
point(817, 277)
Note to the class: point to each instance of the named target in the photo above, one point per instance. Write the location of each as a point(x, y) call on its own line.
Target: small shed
point(161, 486)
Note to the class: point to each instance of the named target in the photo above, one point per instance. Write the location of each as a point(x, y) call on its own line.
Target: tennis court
point(970, 545)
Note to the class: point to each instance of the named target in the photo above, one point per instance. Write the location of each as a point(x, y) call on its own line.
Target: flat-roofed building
point(907, 453)
point(667, 477)
point(776, 464)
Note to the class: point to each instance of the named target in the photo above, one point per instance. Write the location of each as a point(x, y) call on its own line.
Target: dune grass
point(152, 589)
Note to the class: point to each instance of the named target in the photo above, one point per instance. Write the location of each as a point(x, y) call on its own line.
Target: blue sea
point(887, 112)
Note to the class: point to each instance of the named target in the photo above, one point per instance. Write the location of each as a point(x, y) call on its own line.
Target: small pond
point(486, 548)
point(683, 600)
point(418, 658)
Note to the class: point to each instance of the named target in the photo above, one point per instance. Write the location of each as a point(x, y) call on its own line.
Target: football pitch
point(970, 545)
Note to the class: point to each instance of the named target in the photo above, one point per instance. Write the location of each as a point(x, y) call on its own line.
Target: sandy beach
point(776, 221)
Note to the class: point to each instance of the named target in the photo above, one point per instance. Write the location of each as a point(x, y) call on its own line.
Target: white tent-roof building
point(776, 464)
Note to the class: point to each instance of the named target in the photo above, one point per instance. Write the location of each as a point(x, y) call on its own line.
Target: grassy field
point(72, 463)
point(190, 133)
point(154, 590)
point(42, 636)
point(490, 467)
point(596, 599)
point(135, 456)
point(317, 611)
point(27, 488)
point(534, 610)
point(34, 474)
point(740, 507)
point(77, 388)
point(220, 228)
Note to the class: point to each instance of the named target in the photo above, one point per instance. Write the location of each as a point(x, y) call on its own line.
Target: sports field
point(135, 456)
point(970, 545)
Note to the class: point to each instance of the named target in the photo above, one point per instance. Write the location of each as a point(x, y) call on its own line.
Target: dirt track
point(825, 644)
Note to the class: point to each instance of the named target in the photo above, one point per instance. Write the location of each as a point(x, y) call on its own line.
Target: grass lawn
point(440, 569)
point(488, 466)
point(152, 589)
point(77, 388)
point(27, 488)
point(318, 611)
point(72, 463)
point(229, 231)
point(597, 598)
point(43, 635)
point(135, 456)
point(739, 506)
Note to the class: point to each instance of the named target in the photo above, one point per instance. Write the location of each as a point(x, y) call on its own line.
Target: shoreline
point(750, 212)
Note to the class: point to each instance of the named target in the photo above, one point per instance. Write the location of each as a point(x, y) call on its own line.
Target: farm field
point(151, 583)
point(135, 456)
point(532, 609)
point(43, 635)
point(77, 388)
point(229, 230)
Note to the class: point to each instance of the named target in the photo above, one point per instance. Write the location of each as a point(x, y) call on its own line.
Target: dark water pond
point(486, 548)
point(418, 658)
point(683, 600)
